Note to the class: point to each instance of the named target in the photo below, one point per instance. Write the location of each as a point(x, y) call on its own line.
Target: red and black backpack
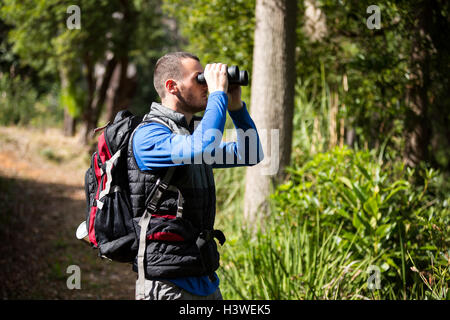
point(109, 216)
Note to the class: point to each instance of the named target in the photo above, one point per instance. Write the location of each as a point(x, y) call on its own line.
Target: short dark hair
point(169, 66)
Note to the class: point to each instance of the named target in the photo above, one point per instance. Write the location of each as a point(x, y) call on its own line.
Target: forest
point(358, 92)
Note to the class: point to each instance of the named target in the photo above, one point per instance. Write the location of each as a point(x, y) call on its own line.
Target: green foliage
point(311, 120)
point(230, 185)
point(20, 103)
point(292, 260)
point(378, 68)
point(374, 62)
point(152, 38)
point(338, 214)
point(40, 37)
point(217, 31)
point(380, 204)
point(381, 207)
point(341, 210)
point(48, 111)
point(72, 97)
point(17, 98)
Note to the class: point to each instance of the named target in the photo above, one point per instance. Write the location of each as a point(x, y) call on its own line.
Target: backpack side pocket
point(114, 227)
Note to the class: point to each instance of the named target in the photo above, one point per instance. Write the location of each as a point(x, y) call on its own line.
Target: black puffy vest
point(171, 249)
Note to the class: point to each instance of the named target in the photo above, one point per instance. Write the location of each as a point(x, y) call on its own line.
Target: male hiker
point(181, 254)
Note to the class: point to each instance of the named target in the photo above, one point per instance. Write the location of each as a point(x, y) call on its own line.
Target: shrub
point(337, 215)
point(380, 203)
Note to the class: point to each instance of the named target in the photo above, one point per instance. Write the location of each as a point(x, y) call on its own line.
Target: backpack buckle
point(208, 235)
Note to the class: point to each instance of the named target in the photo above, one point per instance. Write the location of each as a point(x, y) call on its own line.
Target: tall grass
point(229, 199)
point(292, 263)
point(339, 216)
point(318, 117)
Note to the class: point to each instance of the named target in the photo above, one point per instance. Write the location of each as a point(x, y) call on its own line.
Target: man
point(181, 254)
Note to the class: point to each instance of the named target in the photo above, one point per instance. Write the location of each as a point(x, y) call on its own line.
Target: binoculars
point(234, 76)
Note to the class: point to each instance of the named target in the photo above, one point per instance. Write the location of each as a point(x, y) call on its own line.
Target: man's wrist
point(236, 107)
point(220, 98)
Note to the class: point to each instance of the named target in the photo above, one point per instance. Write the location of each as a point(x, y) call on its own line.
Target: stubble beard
point(191, 105)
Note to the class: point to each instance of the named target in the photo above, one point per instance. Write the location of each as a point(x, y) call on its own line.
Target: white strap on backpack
point(144, 222)
point(109, 166)
point(140, 284)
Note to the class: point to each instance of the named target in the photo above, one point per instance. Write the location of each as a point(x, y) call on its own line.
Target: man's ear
point(171, 86)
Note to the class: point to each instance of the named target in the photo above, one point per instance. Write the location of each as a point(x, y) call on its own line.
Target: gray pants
point(165, 290)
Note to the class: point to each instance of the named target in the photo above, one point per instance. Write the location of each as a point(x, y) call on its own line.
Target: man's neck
point(174, 107)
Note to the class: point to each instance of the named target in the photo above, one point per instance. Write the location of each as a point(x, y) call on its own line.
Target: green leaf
point(371, 207)
point(429, 247)
point(382, 230)
point(393, 192)
point(391, 262)
point(285, 187)
point(343, 213)
point(346, 181)
point(364, 172)
point(359, 193)
point(356, 221)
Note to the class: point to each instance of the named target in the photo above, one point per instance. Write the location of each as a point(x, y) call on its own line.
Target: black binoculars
point(234, 76)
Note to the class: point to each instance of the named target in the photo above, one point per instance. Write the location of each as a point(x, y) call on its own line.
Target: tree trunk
point(123, 82)
point(69, 124)
point(98, 79)
point(122, 88)
point(417, 121)
point(272, 100)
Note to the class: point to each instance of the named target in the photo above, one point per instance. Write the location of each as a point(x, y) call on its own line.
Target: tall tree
point(272, 99)
point(429, 66)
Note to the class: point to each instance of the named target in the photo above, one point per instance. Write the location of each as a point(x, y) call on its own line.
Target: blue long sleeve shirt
point(156, 146)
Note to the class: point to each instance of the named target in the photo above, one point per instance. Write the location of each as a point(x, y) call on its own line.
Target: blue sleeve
point(155, 146)
point(247, 150)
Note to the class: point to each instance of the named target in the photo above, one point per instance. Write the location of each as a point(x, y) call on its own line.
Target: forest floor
point(42, 202)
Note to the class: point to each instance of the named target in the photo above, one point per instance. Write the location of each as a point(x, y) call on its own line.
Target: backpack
point(109, 226)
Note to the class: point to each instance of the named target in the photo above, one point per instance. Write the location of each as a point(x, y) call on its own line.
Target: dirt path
point(41, 204)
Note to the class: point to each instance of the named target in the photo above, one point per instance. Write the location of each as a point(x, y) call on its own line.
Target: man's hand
point(216, 77)
point(234, 97)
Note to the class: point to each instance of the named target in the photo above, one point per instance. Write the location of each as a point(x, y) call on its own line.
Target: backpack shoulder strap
point(160, 186)
point(155, 196)
point(151, 205)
